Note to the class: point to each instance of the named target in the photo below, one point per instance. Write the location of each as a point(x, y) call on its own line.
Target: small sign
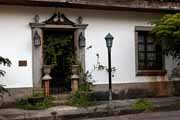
point(22, 63)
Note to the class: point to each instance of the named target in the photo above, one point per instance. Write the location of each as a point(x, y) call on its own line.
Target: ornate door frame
point(57, 21)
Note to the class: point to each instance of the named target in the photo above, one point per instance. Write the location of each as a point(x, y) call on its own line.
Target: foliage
point(175, 72)
point(35, 102)
point(142, 105)
point(38, 94)
point(4, 62)
point(59, 53)
point(3, 91)
point(55, 46)
point(82, 98)
point(98, 66)
point(43, 103)
point(167, 32)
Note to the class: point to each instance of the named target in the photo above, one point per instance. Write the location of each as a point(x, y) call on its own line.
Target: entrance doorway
point(58, 51)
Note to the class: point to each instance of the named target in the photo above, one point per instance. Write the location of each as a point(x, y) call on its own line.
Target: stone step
point(59, 102)
point(61, 97)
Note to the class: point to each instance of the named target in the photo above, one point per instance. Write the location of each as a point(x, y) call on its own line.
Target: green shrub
point(38, 94)
point(82, 98)
point(43, 103)
point(4, 62)
point(142, 105)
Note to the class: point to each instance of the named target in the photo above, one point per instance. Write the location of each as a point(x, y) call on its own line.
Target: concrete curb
point(119, 107)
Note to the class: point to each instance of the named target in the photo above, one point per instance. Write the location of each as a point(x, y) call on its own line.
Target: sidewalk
point(117, 107)
point(170, 115)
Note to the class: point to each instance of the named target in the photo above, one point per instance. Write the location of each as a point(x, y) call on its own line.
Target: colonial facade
point(141, 69)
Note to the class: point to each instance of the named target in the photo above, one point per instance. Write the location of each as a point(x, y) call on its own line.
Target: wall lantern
point(37, 39)
point(82, 40)
point(36, 18)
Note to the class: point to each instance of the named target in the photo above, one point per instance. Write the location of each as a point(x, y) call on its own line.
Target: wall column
point(80, 51)
point(37, 59)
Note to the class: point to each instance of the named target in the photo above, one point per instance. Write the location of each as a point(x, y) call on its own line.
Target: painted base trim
point(120, 91)
point(138, 90)
point(19, 93)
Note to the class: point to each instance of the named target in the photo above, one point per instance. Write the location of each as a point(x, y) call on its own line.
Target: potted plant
point(36, 98)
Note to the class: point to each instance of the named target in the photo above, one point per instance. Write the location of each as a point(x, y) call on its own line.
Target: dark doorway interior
point(59, 51)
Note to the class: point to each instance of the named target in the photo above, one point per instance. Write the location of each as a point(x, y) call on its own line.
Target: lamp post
point(109, 40)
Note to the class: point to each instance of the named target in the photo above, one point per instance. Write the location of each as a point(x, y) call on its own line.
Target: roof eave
point(55, 3)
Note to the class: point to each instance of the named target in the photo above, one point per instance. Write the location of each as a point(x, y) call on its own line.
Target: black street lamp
point(109, 40)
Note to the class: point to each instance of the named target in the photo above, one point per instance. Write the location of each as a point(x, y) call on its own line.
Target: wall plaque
point(22, 63)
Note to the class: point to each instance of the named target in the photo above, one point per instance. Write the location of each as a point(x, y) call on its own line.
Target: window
point(150, 60)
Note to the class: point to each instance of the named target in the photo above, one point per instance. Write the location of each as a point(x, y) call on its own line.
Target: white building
point(140, 71)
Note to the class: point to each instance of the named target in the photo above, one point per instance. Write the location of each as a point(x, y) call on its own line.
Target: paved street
point(173, 115)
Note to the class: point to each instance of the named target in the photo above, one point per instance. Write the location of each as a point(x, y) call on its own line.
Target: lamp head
point(109, 40)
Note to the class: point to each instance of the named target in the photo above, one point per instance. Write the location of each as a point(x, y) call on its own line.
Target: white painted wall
point(16, 41)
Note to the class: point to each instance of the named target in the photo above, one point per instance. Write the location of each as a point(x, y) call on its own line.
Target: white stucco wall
point(16, 43)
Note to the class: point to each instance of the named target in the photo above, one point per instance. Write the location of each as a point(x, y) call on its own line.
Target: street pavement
point(172, 115)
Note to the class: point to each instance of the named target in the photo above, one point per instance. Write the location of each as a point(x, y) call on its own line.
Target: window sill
point(151, 72)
